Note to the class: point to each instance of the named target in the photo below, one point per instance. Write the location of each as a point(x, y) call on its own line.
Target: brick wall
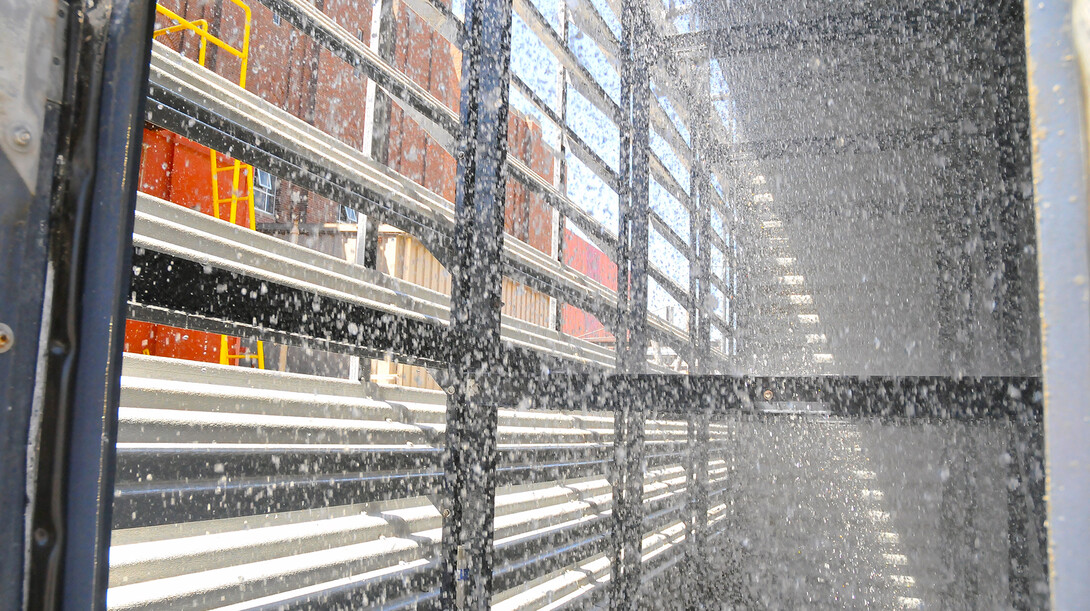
point(295, 73)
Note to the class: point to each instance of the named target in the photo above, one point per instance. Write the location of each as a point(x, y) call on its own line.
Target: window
point(276, 18)
point(264, 191)
point(347, 215)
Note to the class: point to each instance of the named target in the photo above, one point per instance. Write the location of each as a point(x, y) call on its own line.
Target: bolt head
point(768, 395)
point(21, 136)
point(7, 338)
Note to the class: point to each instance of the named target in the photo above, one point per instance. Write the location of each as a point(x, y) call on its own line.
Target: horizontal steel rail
point(671, 236)
point(212, 111)
point(184, 260)
point(910, 397)
point(669, 183)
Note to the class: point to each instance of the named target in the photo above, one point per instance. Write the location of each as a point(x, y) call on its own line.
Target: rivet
point(768, 395)
point(21, 136)
point(7, 338)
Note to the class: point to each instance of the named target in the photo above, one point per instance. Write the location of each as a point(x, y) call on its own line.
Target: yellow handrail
point(196, 24)
point(200, 28)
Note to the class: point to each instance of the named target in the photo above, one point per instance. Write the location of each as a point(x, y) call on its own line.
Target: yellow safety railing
point(239, 171)
point(200, 28)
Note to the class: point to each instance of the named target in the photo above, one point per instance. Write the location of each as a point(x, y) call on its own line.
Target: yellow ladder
point(241, 174)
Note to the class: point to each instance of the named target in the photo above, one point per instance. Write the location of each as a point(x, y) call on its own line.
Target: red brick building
point(294, 72)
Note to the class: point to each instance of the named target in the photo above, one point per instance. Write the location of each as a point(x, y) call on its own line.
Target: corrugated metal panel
point(241, 488)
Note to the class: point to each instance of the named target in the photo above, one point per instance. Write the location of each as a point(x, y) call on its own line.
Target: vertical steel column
point(727, 307)
point(1016, 307)
point(375, 145)
point(700, 310)
point(634, 209)
point(696, 511)
point(468, 505)
point(743, 290)
point(698, 297)
point(1060, 185)
point(1027, 540)
point(696, 468)
point(633, 197)
point(377, 138)
point(958, 508)
point(562, 158)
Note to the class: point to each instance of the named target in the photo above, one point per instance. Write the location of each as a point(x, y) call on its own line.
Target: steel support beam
point(632, 274)
point(561, 120)
point(700, 277)
point(468, 504)
point(701, 315)
point(376, 144)
point(849, 28)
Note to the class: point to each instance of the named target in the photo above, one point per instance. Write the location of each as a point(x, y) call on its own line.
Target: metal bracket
point(27, 80)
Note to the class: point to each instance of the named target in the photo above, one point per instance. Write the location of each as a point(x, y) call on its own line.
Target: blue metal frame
point(85, 342)
point(66, 399)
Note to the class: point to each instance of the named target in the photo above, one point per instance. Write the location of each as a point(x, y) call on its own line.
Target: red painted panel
point(582, 256)
point(179, 170)
point(581, 325)
point(156, 160)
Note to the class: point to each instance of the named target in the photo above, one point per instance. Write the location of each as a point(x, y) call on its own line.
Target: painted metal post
point(562, 159)
point(1027, 541)
point(375, 145)
point(376, 138)
point(634, 210)
point(696, 516)
point(700, 337)
point(1060, 186)
point(700, 309)
point(700, 313)
point(468, 505)
point(743, 289)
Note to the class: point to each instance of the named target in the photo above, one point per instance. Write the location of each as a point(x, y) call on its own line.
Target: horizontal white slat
point(292, 555)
